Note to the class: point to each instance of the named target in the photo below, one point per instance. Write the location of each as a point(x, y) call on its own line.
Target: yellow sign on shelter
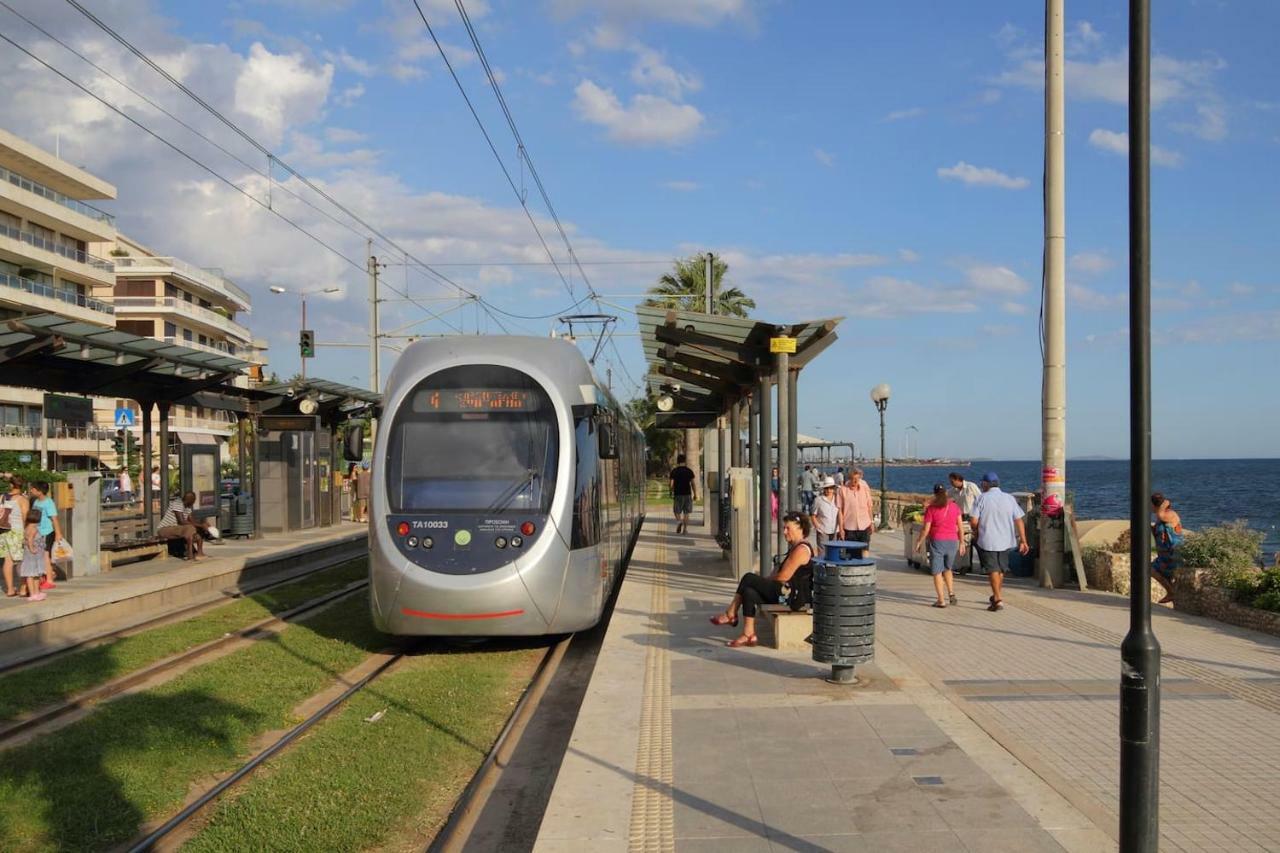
point(777, 345)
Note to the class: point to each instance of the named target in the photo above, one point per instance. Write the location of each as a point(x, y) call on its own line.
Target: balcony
point(210, 424)
point(53, 195)
point(62, 302)
point(93, 269)
point(210, 318)
point(211, 280)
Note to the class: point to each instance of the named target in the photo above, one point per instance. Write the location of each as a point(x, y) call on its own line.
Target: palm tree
point(685, 288)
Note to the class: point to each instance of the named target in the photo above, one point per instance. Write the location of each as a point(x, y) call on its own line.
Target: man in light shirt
point(997, 521)
point(855, 503)
point(808, 488)
point(964, 493)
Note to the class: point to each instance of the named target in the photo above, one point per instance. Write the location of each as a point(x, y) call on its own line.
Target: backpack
point(798, 591)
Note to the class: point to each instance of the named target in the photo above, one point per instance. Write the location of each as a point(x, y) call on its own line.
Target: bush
point(1228, 551)
point(1122, 543)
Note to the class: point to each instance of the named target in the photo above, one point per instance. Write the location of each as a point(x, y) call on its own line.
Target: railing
point(220, 349)
point(210, 278)
point(201, 423)
point(182, 306)
point(55, 196)
point(82, 433)
point(17, 282)
point(71, 254)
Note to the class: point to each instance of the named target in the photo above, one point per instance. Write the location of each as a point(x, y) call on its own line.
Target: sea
point(1205, 492)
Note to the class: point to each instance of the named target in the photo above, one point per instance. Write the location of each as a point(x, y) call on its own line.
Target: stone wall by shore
point(1193, 592)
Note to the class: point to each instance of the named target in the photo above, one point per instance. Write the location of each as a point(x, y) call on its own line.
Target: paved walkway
point(684, 744)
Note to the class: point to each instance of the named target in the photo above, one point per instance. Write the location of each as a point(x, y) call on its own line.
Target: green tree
point(685, 288)
point(661, 443)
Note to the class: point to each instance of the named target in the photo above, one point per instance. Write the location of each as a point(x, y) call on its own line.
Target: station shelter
point(286, 432)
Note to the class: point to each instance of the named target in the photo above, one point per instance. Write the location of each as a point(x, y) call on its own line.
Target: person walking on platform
point(50, 527)
point(998, 522)
point(825, 515)
point(856, 508)
point(13, 519)
point(944, 531)
point(754, 590)
point(964, 492)
point(1167, 531)
point(364, 486)
point(683, 493)
point(808, 488)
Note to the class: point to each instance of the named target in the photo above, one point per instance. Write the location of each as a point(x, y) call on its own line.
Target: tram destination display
point(464, 400)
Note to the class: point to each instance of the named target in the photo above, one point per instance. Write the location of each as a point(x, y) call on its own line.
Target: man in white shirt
point(964, 493)
point(997, 520)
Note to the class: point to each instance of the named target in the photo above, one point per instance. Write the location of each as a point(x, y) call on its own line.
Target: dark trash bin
point(844, 615)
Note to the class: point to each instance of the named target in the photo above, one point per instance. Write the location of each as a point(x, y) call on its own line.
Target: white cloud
point(1211, 123)
point(990, 96)
point(347, 62)
point(1237, 288)
point(307, 152)
point(981, 176)
point(344, 136)
point(682, 186)
point(698, 13)
point(899, 115)
point(646, 120)
point(1090, 263)
point(349, 95)
point(651, 71)
point(279, 90)
point(824, 157)
point(1226, 328)
point(1011, 307)
point(887, 296)
point(1095, 300)
point(908, 256)
point(1117, 142)
point(989, 278)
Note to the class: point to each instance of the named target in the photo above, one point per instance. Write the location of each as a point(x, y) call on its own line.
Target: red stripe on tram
point(422, 614)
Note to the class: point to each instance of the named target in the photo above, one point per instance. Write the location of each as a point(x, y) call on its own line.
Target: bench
point(788, 627)
point(127, 539)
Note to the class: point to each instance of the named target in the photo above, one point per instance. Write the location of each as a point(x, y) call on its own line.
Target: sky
point(856, 160)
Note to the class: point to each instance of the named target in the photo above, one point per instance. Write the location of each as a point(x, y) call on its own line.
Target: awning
point(197, 438)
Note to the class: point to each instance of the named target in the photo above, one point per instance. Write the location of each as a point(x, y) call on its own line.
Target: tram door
point(303, 468)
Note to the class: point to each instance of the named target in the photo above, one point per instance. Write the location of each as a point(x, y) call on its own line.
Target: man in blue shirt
point(997, 522)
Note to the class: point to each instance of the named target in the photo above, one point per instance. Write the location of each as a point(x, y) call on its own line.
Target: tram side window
point(586, 489)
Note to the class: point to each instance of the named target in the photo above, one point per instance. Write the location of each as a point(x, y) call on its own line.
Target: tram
point(508, 490)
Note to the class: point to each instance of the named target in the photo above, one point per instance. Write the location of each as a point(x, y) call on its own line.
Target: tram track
point(44, 718)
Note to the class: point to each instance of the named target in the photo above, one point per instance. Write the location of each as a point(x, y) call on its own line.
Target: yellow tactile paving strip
point(652, 816)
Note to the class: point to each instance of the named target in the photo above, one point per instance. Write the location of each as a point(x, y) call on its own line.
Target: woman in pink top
point(942, 528)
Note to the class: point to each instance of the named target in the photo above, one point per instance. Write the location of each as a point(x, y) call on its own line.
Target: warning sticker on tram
point(476, 400)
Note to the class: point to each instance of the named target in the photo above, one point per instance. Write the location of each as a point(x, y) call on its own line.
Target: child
point(32, 569)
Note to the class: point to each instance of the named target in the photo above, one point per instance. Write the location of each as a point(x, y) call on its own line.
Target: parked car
point(111, 493)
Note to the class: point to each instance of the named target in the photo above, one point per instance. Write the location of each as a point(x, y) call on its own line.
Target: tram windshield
point(476, 438)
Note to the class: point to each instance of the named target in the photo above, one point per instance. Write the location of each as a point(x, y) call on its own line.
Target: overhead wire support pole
point(1140, 650)
point(375, 372)
point(1053, 424)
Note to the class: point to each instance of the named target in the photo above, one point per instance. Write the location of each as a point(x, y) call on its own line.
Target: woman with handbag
point(754, 590)
point(13, 512)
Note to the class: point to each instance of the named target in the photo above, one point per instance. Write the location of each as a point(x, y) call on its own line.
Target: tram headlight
point(500, 542)
point(527, 528)
point(411, 542)
point(516, 541)
point(428, 542)
point(403, 528)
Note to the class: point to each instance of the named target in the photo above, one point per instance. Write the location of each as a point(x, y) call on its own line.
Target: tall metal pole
point(735, 434)
point(793, 427)
point(1140, 651)
point(753, 445)
point(303, 359)
point(375, 381)
point(881, 405)
point(710, 284)
point(1053, 399)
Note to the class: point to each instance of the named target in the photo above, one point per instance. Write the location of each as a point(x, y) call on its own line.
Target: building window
point(170, 330)
point(186, 335)
point(135, 288)
point(141, 328)
point(170, 290)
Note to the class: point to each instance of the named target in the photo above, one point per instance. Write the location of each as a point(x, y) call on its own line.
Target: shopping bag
point(61, 551)
point(212, 532)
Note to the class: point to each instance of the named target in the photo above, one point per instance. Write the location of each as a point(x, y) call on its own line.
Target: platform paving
point(87, 605)
point(684, 744)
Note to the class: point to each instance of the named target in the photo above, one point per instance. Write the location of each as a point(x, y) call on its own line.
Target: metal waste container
point(225, 511)
point(844, 615)
point(242, 516)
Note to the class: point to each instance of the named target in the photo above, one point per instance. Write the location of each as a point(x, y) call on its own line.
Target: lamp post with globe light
point(880, 396)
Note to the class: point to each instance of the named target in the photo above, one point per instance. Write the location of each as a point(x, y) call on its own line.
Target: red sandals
point(721, 619)
point(744, 640)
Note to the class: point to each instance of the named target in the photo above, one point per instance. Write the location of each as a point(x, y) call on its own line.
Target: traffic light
point(307, 343)
point(118, 443)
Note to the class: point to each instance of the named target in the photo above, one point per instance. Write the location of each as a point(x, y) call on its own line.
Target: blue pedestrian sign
point(124, 418)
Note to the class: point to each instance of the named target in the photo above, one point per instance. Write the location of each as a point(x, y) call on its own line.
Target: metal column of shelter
point(753, 443)
point(782, 370)
point(148, 495)
point(165, 497)
point(765, 509)
point(735, 434)
point(793, 431)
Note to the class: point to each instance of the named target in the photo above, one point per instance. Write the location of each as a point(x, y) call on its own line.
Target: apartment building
point(164, 297)
point(48, 266)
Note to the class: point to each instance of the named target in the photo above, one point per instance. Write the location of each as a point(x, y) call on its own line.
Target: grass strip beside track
point(93, 784)
point(45, 684)
point(353, 785)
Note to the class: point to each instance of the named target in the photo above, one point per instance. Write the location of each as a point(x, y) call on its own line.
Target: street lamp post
point(880, 396)
point(302, 295)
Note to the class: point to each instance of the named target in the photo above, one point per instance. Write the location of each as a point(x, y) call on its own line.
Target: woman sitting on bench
point(754, 590)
